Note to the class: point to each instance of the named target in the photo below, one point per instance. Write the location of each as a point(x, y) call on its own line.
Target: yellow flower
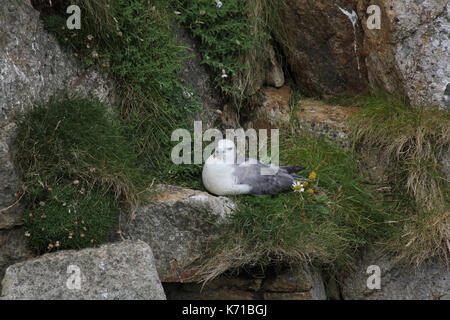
point(305, 183)
point(310, 191)
point(313, 176)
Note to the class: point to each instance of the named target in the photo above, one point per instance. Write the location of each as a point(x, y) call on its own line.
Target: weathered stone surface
point(13, 248)
point(323, 46)
point(274, 73)
point(409, 55)
point(316, 116)
point(176, 224)
point(288, 296)
point(32, 67)
point(272, 108)
point(229, 117)
point(297, 283)
point(290, 281)
point(10, 209)
point(123, 270)
point(197, 76)
point(325, 119)
point(398, 282)
point(223, 288)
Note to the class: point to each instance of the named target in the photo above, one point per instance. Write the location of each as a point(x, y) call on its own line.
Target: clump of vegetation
point(412, 141)
point(70, 217)
point(76, 166)
point(342, 214)
point(233, 39)
point(133, 41)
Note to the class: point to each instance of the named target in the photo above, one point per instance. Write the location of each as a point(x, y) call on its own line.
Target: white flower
point(218, 4)
point(224, 74)
point(297, 186)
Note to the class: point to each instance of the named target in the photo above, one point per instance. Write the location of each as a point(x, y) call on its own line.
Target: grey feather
point(292, 169)
point(250, 174)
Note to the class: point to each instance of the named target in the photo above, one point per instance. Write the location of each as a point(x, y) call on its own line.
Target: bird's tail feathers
point(292, 169)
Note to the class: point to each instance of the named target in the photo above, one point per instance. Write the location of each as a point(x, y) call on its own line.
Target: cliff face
point(409, 55)
point(323, 46)
point(32, 68)
point(328, 48)
point(331, 49)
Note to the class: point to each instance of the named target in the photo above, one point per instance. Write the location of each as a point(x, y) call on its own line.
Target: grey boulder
point(397, 281)
point(123, 270)
point(177, 224)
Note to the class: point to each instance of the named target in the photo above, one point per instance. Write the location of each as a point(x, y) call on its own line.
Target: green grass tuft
point(68, 219)
point(412, 143)
point(72, 150)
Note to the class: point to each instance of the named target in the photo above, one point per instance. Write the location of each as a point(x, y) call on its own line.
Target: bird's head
point(225, 151)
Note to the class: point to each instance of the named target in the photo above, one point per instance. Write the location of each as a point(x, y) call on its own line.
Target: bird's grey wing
point(250, 174)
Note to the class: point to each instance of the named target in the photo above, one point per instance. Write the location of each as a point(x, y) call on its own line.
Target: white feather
point(218, 171)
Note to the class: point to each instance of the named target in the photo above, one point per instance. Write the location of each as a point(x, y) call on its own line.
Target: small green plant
point(76, 165)
point(231, 36)
point(70, 216)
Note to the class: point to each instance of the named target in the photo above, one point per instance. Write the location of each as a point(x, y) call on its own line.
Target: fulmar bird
point(222, 175)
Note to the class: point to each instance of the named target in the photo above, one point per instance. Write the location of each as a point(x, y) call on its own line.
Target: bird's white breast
point(218, 178)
